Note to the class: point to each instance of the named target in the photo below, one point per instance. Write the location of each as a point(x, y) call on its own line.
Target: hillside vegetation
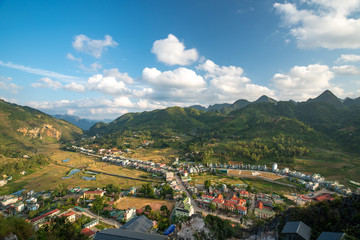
point(24, 128)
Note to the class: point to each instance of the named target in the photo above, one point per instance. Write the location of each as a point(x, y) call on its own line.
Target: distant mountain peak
point(265, 98)
point(328, 97)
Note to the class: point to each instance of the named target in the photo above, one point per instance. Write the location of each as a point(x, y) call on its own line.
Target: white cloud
point(93, 47)
point(47, 83)
point(179, 78)
point(348, 58)
point(304, 82)
point(229, 83)
point(6, 84)
point(172, 52)
point(322, 23)
point(75, 87)
point(107, 85)
point(40, 72)
point(345, 70)
point(114, 72)
point(122, 102)
point(72, 58)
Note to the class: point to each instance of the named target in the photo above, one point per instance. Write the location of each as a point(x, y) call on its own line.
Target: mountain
point(82, 123)
point(198, 107)
point(218, 107)
point(26, 128)
point(327, 97)
point(265, 99)
point(316, 122)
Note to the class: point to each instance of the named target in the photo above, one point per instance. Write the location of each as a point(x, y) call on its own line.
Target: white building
point(274, 167)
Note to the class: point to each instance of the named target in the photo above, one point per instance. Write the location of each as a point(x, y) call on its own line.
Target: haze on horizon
point(103, 59)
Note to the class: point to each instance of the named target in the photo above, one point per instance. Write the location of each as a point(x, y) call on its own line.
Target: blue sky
point(101, 59)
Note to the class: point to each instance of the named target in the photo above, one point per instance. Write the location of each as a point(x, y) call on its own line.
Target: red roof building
point(259, 205)
point(324, 197)
point(87, 232)
point(42, 218)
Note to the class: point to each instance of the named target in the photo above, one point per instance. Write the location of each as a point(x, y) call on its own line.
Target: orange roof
point(68, 214)
point(324, 197)
point(217, 200)
point(207, 196)
point(259, 205)
point(220, 196)
point(87, 232)
point(228, 205)
point(241, 208)
point(44, 215)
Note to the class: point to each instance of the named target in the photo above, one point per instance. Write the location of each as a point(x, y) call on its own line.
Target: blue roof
point(331, 236)
point(169, 230)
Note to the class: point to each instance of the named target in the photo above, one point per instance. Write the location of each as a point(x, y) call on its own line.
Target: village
point(239, 202)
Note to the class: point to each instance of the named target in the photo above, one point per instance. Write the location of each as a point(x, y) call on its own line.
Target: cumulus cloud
point(107, 85)
point(228, 83)
point(345, 70)
point(322, 23)
point(304, 82)
point(75, 87)
point(47, 83)
point(93, 47)
point(6, 84)
point(114, 72)
point(172, 52)
point(348, 58)
point(179, 78)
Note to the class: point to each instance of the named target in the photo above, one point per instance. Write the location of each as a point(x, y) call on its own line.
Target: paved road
point(108, 221)
point(203, 211)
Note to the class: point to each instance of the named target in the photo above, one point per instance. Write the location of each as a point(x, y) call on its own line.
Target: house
point(263, 212)
point(40, 220)
point(297, 231)
point(8, 201)
point(70, 216)
point(91, 224)
point(137, 228)
point(87, 232)
point(169, 176)
point(129, 214)
point(19, 207)
point(331, 236)
point(33, 207)
point(324, 197)
point(243, 193)
point(184, 208)
point(241, 209)
point(93, 194)
point(218, 201)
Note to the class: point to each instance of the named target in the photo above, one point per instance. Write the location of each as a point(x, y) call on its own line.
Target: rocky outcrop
point(46, 130)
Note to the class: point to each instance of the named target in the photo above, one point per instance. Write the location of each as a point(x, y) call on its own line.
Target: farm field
point(332, 165)
point(49, 177)
point(165, 155)
point(138, 203)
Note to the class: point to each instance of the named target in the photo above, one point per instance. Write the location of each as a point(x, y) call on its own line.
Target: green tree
point(147, 208)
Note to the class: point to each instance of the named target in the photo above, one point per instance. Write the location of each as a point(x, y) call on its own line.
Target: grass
point(330, 164)
point(138, 203)
point(49, 177)
point(166, 155)
point(268, 186)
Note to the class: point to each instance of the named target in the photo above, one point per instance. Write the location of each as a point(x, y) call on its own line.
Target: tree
point(147, 208)
point(147, 190)
point(164, 208)
point(212, 207)
point(207, 184)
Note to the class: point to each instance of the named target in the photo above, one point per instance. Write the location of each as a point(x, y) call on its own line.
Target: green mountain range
point(24, 128)
point(325, 121)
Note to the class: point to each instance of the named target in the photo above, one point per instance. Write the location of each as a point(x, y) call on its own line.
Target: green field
point(49, 177)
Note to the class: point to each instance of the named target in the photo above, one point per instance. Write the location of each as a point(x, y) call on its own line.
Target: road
point(108, 221)
point(203, 211)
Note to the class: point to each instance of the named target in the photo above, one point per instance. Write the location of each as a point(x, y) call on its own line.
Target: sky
point(102, 59)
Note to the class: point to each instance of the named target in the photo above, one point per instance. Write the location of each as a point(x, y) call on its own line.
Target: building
point(184, 208)
point(87, 232)
point(19, 207)
point(218, 201)
point(3, 182)
point(169, 176)
point(138, 228)
point(331, 236)
point(274, 167)
point(91, 224)
point(8, 201)
point(70, 216)
point(296, 231)
point(93, 194)
point(324, 197)
point(263, 212)
point(241, 209)
point(129, 214)
point(40, 220)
